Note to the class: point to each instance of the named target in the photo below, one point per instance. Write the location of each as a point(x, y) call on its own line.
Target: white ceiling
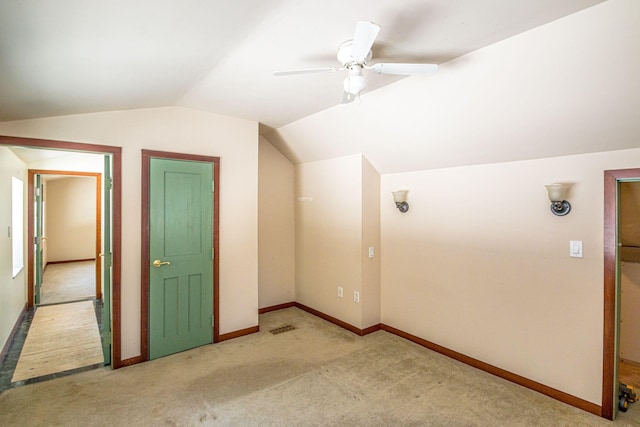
point(77, 56)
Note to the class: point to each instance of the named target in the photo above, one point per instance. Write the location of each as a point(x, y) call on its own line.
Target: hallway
point(62, 335)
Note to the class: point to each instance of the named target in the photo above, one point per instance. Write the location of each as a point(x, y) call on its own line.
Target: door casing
point(116, 174)
point(610, 310)
point(144, 265)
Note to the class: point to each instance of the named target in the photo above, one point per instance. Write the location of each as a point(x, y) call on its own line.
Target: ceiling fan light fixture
point(354, 84)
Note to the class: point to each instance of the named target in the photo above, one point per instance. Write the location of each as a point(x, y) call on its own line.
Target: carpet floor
point(314, 375)
point(69, 281)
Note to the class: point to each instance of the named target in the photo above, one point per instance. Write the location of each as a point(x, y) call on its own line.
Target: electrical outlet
point(356, 297)
point(340, 291)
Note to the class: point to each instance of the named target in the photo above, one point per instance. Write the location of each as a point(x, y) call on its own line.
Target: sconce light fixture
point(400, 197)
point(557, 195)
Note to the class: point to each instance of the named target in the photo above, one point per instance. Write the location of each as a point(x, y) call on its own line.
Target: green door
point(105, 327)
point(38, 238)
point(180, 255)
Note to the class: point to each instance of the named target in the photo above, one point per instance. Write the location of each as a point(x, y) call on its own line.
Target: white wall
point(176, 129)
point(70, 218)
point(276, 227)
point(481, 266)
point(13, 291)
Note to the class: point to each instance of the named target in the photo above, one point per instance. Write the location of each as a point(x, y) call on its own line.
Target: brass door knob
point(158, 263)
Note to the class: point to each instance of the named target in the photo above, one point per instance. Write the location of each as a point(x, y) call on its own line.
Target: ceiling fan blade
point(347, 97)
point(306, 71)
point(363, 38)
point(404, 69)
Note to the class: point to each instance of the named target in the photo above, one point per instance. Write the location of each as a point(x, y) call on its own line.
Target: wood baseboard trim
point(338, 322)
point(237, 334)
point(276, 307)
point(509, 376)
point(371, 329)
point(12, 334)
point(70, 260)
point(131, 361)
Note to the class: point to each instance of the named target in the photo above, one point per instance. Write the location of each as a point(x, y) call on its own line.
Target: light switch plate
point(371, 251)
point(575, 248)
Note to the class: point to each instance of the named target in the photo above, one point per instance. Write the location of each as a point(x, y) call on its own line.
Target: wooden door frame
point(147, 155)
point(116, 230)
point(31, 231)
point(609, 356)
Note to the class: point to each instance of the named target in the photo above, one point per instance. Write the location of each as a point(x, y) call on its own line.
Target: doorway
point(68, 218)
point(179, 252)
point(629, 277)
point(613, 181)
point(115, 155)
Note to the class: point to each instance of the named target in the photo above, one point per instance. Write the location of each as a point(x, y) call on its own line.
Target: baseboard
point(140, 359)
point(70, 260)
point(509, 376)
point(130, 361)
point(276, 307)
point(338, 322)
point(12, 334)
point(237, 334)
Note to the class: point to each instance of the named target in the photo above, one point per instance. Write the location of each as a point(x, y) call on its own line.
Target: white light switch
point(575, 248)
point(371, 251)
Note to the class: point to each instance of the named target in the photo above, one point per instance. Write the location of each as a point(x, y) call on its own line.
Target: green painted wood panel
point(181, 233)
point(105, 331)
point(38, 239)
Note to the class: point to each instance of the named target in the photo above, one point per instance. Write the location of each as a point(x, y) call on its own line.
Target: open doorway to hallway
point(61, 331)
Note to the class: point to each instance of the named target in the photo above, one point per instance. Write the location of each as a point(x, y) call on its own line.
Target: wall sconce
point(400, 197)
point(557, 195)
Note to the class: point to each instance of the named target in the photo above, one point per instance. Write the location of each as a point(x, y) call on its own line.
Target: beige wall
point(177, 129)
point(337, 219)
point(70, 218)
point(370, 298)
point(13, 291)
point(276, 227)
point(329, 236)
point(481, 266)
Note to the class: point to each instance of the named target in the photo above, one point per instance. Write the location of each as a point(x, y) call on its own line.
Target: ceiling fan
point(354, 56)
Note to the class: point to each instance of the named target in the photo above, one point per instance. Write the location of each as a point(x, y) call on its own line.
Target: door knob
point(158, 263)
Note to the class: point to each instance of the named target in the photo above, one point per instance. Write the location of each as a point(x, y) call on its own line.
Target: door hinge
point(36, 191)
point(36, 240)
point(213, 186)
point(212, 325)
point(108, 183)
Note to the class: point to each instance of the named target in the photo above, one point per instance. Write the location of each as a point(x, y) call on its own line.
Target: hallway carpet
point(61, 337)
point(69, 281)
point(314, 375)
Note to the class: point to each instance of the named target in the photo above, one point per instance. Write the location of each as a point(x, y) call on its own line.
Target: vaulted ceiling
point(78, 56)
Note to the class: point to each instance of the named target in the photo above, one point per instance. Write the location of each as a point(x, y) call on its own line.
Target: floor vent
point(282, 329)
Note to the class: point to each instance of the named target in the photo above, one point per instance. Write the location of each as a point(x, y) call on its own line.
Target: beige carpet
point(314, 375)
point(61, 337)
point(70, 281)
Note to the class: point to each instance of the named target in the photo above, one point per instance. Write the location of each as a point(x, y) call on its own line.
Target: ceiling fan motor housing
point(345, 57)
